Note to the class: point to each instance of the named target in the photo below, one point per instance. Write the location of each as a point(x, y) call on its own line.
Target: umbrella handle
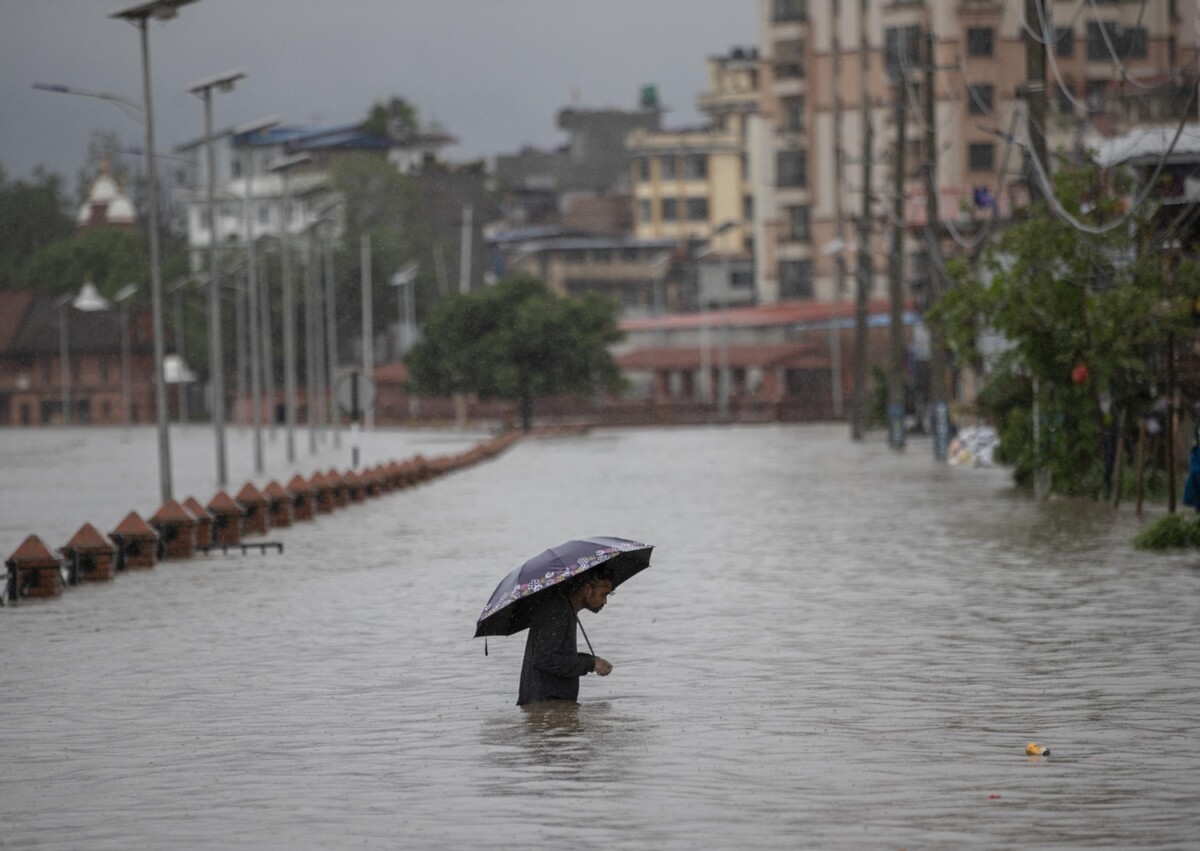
point(584, 631)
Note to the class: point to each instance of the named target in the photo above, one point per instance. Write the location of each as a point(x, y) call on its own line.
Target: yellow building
point(689, 183)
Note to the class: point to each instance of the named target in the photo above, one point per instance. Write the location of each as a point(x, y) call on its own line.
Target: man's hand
point(603, 668)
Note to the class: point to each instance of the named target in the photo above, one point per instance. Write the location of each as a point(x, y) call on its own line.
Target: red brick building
point(31, 374)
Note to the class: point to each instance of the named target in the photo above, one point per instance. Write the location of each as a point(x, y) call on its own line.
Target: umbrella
point(518, 595)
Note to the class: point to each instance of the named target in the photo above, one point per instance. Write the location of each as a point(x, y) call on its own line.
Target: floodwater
point(836, 646)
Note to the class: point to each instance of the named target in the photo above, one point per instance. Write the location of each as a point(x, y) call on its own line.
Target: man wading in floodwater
point(552, 666)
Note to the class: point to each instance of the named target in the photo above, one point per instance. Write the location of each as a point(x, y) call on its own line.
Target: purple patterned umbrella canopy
point(517, 596)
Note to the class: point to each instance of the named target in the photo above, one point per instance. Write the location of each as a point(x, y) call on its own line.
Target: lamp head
point(89, 299)
point(221, 82)
point(160, 10)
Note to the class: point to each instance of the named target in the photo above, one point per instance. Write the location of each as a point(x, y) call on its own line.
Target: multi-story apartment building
point(695, 184)
point(1109, 64)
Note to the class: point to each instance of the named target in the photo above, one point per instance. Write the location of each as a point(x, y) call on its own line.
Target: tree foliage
point(33, 214)
point(517, 341)
point(395, 118)
point(1085, 318)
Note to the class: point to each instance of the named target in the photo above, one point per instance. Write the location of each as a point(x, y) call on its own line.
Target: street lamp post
point(326, 361)
point(284, 168)
point(256, 334)
point(723, 385)
point(216, 361)
point(404, 278)
point(122, 296)
point(181, 390)
point(140, 15)
point(88, 300)
point(724, 377)
point(331, 334)
point(311, 354)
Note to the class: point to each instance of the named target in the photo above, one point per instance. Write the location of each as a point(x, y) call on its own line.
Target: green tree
point(1085, 316)
point(397, 119)
point(517, 341)
point(33, 214)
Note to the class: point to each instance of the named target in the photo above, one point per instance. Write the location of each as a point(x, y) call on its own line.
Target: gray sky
point(493, 72)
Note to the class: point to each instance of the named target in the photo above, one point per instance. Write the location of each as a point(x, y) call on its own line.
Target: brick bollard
point(227, 519)
point(176, 531)
point(204, 521)
point(252, 500)
point(370, 482)
point(304, 498)
point(137, 542)
point(90, 556)
point(341, 492)
point(356, 488)
point(323, 496)
point(279, 505)
point(33, 571)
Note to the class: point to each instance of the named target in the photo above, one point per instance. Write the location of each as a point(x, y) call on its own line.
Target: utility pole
point(938, 390)
point(862, 293)
point(1035, 94)
point(1035, 123)
point(839, 170)
point(368, 323)
point(895, 413)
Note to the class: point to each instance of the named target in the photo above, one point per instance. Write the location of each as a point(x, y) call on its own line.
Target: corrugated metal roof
point(1146, 145)
point(767, 355)
point(798, 313)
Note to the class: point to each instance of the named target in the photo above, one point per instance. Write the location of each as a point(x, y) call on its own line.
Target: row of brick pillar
point(178, 530)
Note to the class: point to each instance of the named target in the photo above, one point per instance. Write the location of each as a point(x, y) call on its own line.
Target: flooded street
point(835, 647)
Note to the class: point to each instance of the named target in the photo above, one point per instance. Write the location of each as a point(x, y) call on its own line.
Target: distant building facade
point(1110, 65)
point(32, 331)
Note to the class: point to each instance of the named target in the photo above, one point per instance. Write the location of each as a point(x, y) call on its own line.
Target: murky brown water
point(835, 647)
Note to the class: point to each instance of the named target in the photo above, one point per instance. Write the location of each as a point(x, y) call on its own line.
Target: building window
point(795, 279)
point(695, 166)
point(645, 211)
point(783, 11)
point(104, 369)
point(644, 169)
point(697, 209)
point(788, 59)
point(670, 210)
point(748, 208)
point(1066, 103)
point(793, 114)
point(46, 371)
point(902, 48)
point(980, 41)
point(666, 167)
point(1130, 42)
point(792, 168)
point(980, 99)
point(981, 156)
point(1064, 42)
point(799, 222)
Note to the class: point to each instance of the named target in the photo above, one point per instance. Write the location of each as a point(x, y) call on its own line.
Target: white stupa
point(107, 205)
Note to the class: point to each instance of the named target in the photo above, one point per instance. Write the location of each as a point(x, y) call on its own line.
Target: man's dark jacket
point(552, 667)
